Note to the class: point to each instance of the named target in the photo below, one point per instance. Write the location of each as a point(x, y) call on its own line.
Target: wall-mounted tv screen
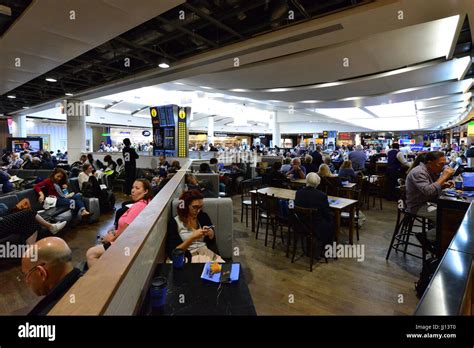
point(24, 144)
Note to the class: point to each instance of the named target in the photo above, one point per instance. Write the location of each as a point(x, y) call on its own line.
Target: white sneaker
point(58, 227)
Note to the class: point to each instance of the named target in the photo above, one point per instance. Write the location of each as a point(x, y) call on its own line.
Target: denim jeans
point(67, 202)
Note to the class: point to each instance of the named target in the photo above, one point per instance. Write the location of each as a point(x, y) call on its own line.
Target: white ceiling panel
point(379, 52)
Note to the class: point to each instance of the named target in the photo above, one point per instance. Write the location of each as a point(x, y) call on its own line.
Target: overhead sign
point(146, 133)
point(470, 129)
point(183, 131)
point(325, 134)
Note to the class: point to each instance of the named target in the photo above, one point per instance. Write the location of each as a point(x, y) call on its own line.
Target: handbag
point(24, 204)
point(50, 202)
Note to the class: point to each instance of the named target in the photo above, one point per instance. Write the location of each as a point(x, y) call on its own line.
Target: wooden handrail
point(93, 293)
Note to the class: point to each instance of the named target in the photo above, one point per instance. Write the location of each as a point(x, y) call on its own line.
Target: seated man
point(48, 271)
point(297, 171)
point(424, 184)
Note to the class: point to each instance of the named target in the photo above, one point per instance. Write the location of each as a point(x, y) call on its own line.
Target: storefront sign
point(146, 133)
point(325, 134)
point(470, 129)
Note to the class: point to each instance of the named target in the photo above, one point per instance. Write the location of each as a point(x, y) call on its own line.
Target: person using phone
point(192, 230)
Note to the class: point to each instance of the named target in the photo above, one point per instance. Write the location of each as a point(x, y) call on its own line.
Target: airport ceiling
point(189, 29)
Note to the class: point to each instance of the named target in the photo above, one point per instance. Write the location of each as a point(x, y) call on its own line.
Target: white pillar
point(76, 129)
point(276, 136)
point(19, 126)
point(210, 130)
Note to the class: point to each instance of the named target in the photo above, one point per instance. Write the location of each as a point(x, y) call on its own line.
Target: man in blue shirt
point(298, 171)
point(358, 158)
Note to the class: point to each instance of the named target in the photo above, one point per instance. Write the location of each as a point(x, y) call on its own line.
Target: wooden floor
point(278, 287)
point(341, 287)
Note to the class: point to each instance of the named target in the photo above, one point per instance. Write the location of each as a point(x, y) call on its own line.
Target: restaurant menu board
point(170, 131)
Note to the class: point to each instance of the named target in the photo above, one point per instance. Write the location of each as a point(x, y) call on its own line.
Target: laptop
point(468, 181)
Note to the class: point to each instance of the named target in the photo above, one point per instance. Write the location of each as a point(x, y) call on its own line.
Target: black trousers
point(392, 177)
point(130, 174)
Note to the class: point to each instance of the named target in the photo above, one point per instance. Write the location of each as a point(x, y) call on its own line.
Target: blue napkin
point(216, 277)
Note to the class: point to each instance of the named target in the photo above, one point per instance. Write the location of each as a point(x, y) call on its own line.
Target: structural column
point(19, 126)
point(276, 136)
point(76, 129)
point(210, 130)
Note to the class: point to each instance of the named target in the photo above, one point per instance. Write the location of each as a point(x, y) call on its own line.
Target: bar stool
point(403, 230)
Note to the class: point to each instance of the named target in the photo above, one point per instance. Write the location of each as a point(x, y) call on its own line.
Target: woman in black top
point(192, 230)
point(311, 197)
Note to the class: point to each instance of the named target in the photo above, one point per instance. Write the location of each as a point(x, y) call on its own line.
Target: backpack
point(106, 201)
point(429, 268)
point(88, 189)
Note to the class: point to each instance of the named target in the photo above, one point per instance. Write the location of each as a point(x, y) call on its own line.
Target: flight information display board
point(170, 130)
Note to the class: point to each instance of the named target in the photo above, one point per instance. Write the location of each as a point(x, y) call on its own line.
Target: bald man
point(48, 271)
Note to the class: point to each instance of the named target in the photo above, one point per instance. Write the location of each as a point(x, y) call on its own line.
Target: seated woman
point(310, 197)
point(192, 230)
point(175, 165)
point(327, 160)
point(87, 176)
point(347, 172)
point(324, 171)
point(141, 196)
point(55, 185)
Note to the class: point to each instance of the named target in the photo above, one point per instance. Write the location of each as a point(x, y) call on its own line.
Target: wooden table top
point(334, 202)
point(303, 182)
point(299, 181)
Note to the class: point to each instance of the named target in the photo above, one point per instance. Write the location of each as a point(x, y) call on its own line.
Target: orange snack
point(215, 268)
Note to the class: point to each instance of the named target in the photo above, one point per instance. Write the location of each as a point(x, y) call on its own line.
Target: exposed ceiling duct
point(206, 25)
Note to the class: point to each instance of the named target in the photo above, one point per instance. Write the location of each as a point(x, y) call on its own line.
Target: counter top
point(447, 291)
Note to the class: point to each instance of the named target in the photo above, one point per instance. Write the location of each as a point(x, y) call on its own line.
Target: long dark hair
point(63, 172)
point(185, 201)
point(146, 186)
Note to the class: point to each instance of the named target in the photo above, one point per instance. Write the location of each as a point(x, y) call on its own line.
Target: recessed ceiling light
point(26, 107)
point(69, 94)
point(50, 79)
point(178, 83)
point(239, 90)
point(11, 96)
point(164, 64)
point(205, 87)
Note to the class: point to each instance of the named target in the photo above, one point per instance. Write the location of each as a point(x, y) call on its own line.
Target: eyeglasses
point(24, 276)
point(197, 207)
